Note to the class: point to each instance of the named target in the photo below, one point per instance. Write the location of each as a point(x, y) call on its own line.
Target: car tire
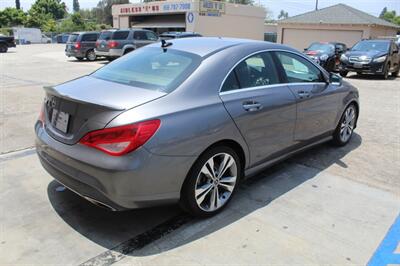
point(91, 55)
point(396, 73)
point(79, 58)
point(205, 192)
point(386, 73)
point(3, 48)
point(345, 128)
point(110, 59)
point(128, 50)
point(343, 73)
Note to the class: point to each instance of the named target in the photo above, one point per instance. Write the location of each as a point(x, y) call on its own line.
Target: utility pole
point(316, 4)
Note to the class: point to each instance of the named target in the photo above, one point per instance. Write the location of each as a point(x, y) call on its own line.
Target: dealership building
point(209, 18)
point(338, 23)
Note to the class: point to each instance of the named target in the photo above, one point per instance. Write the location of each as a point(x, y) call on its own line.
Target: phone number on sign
point(181, 6)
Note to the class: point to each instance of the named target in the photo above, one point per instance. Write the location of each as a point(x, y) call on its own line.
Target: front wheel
point(386, 73)
point(211, 182)
point(345, 128)
point(3, 48)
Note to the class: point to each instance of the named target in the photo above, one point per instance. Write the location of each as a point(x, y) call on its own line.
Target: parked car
point(6, 42)
point(377, 57)
point(115, 43)
point(327, 54)
point(178, 34)
point(29, 35)
point(81, 45)
point(62, 38)
point(185, 120)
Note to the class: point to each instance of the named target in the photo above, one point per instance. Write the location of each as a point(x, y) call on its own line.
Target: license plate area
point(60, 120)
point(358, 65)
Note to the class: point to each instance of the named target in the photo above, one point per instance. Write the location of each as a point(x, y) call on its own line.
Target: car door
point(317, 100)
point(263, 109)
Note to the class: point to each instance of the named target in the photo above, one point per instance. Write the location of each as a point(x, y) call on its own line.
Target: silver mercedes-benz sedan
point(186, 120)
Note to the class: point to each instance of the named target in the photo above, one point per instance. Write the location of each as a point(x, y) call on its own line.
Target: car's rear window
point(151, 68)
point(73, 37)
point(105, 35)
point(120, 35)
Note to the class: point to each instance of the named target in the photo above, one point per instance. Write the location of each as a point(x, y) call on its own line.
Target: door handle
point(303, 94)
point(252, 106)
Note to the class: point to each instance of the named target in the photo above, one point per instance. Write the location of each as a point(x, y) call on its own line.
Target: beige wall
point(270, 28)
point(240, 21)
point(300, 36)
point(379, 31)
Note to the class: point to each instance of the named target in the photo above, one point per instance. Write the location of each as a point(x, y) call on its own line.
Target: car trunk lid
point(77, 107)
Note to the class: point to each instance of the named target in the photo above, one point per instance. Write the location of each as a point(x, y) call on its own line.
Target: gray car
point(116, 43)
point(81, 45)
point(186, 120)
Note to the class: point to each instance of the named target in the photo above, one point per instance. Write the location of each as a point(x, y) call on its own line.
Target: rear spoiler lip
point(53, 91)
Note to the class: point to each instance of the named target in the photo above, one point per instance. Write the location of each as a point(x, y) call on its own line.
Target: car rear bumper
point(137, 180)
point(109, 53)
point(371, 68)
point(75, 53)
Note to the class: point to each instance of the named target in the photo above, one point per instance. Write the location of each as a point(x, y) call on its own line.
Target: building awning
point(160, 22)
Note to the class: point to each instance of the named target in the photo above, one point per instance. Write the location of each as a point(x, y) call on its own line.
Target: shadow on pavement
point(369, 77)
point(121, 231)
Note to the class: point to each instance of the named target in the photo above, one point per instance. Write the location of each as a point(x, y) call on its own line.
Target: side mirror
point(335, 79)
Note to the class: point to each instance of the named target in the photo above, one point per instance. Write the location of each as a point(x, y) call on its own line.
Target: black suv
point(326, 54)
point(378, 57)
point(5, 43)
point(178, 34)
point(81, 45)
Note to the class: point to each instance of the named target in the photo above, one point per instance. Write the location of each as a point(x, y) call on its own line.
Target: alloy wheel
point(91, 56)
point(347, 126)
point(215, 182)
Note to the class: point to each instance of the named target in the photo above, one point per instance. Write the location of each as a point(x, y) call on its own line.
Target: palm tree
point(17, 4)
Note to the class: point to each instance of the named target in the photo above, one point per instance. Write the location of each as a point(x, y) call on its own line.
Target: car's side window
point(89, 37)
point(120, 35)
point(151, 36)
point(298, 69)
point(140, 35)
point(254, 71)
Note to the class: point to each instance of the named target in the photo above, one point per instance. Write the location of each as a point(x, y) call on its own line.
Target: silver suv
point(115, 43)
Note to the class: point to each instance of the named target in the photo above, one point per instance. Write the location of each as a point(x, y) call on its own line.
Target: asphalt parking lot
point(324, 206)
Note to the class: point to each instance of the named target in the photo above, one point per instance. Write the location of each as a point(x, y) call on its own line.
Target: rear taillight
point(41, 117)
point(97, 43)
point(112, 44)
point(77, 45)
point(118, 141)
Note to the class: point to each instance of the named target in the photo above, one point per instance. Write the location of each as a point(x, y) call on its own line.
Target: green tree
point(384, 10)
point(17, 4)
point(55, 8)
point(75, 6)
point(390, 16)
point(283, 14)
point(12, 17)
point(103, 10)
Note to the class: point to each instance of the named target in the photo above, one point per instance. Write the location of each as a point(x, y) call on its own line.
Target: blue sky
point(294, 7)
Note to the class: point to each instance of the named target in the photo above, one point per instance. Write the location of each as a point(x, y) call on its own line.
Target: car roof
point(377, 40)
point(208, 45)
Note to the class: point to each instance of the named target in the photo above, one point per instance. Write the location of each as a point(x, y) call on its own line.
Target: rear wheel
point(211, 182)
point(345, 128)
point(128, 50)
point(3, 48)
point(343, 73)
point(109, 58)
point(91, 55)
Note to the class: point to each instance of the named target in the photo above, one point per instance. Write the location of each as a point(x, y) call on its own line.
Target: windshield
point(371, 46)
point(151, 68)
point(105, 35)
point(321, 47)
point(73, 37)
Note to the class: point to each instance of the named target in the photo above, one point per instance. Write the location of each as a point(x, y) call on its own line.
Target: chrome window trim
point(272, 85)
